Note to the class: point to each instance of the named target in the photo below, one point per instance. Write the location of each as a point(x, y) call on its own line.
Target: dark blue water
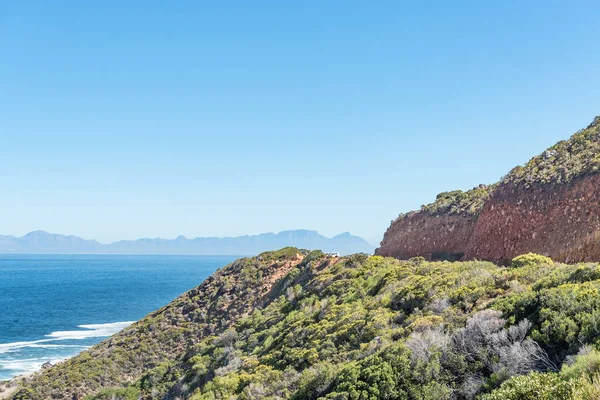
point(54, 306)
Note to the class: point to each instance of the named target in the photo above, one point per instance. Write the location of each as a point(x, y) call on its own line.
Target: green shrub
point(567, 317)
point(314, 256)
point(24, 394)
point(281, 254)
point(535, 386)
point(530, 260)
point(130, 393)
point(587, 388)
point(457, 202)
point(584, 365)
point(563, 162)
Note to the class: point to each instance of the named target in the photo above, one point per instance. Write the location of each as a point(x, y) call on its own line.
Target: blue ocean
point(54, 306)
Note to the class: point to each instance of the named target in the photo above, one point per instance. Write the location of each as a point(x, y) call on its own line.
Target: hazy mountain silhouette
point(41, 242)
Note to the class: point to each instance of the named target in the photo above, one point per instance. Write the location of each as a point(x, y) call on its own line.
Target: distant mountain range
point(41, 242)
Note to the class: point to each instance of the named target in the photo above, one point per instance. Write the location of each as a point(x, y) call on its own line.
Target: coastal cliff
point(549, 206)
point(440, 230)
point(561, 221)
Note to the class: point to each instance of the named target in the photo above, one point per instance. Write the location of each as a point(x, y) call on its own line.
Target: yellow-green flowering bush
point(530, 260)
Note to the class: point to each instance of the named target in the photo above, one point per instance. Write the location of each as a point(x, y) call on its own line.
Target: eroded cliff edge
point(549, 206)
point(440, 230)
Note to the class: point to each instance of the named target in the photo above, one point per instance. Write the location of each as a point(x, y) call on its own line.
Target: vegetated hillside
point(550, 206)
point(298, 325)
point(166, 334)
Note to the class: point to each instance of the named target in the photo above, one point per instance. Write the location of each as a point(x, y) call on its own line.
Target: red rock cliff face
point(551, 206)
point(430, 236)
point(561, 221)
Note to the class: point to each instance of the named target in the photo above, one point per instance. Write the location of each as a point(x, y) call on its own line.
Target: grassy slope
point(354, 328)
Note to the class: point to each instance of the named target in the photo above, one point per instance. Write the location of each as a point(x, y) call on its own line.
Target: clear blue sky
point(151, 118)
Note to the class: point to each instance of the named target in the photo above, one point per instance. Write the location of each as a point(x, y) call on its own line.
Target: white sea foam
point(12, 347)
point(86, 332)
point(90, 331)
point(18, 367)
point(12, 365)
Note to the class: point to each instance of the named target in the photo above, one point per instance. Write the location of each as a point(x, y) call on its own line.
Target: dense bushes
point(534, 386)
point(363, 327)
point(530, 260)
point(457, 202)
point(130, 393)
point(578, 379)
point(372, 327)
point(563, 162)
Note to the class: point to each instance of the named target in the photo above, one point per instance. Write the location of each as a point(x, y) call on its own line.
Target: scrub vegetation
point(563, 162)
point(456, 202)
point(357, 327)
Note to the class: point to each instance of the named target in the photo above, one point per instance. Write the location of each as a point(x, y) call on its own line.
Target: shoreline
point(57, 347)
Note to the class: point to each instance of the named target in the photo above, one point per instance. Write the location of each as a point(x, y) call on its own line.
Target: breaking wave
point(18, 358)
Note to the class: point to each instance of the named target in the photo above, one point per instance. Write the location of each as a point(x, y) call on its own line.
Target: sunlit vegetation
point(363, 327)
point(530, 260)
point(566, 160)
point(457, 202)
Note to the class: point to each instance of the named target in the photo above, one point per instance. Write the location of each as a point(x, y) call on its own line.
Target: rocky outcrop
point(561, 221)
point(439, 231)
point(549, 206)
point(433, 237)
